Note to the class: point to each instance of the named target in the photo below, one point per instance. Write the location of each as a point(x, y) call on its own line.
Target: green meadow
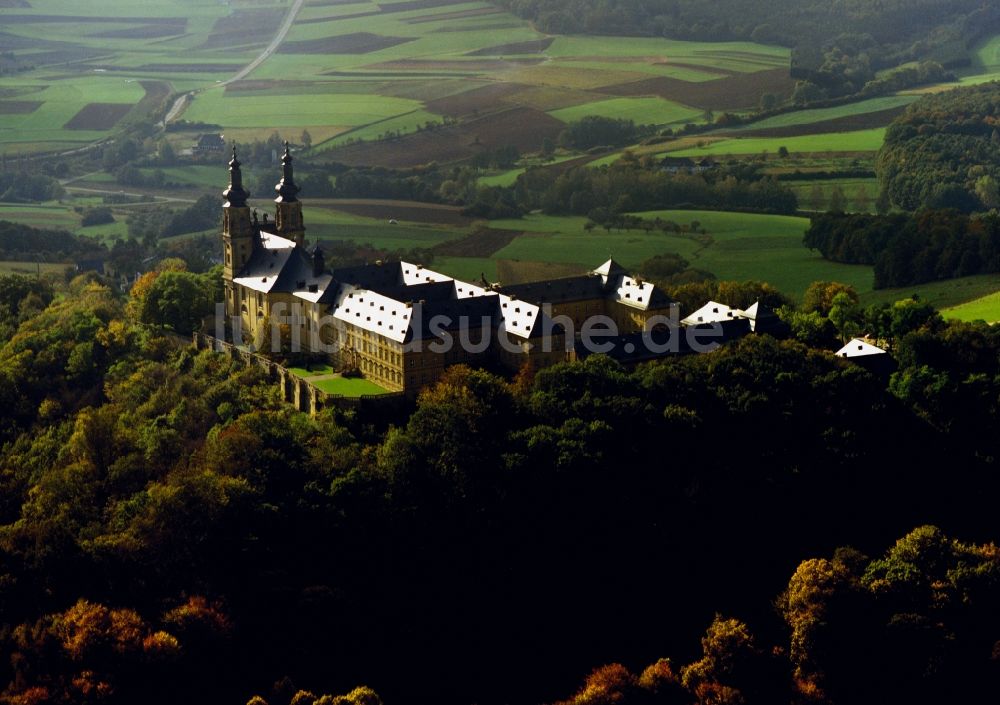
point(736, 246)
point(986, 309)
point(347, 76)
point(348, 109)
point(805, 117)
point(652, 111)
point(860, 193)
point(347, 386)
point(858, 141)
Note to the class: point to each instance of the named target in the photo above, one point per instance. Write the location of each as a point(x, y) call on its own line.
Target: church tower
point(238, 232)
point(288, 212)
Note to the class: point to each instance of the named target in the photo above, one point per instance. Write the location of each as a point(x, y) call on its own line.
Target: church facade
point(398, 324)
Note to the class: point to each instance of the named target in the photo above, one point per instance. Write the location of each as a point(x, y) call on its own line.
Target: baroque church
point(400, 324)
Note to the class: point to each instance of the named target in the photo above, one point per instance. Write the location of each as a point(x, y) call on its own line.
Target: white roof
point(465, 290)
point(518, 317)
point(751, 312)
point(418, 274)
point(859, 348)
point(632, 292)
point(314, 287)
point(713, 312)
point(374, 312)
point(262, 271)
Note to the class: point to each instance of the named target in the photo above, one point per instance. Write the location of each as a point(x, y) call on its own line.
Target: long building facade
point(399, 324)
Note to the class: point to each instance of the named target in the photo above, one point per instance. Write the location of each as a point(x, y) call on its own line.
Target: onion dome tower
point(238, 231)
point(288, 210)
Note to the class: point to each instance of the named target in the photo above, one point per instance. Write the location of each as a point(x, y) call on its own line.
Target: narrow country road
point(182, 101)
point(155, 199)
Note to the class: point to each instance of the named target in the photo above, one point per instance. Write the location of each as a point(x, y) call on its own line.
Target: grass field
point(860, 193)
point(651, 111)
point(346, 70)
point(737, 246)
point(331, 224)
point(313, 371)
point(804, 117)
point(87, 73)
point(33, 268)
point(986, 57)
point(40, 215)
point(849, 142)
point(506, 178)
point(984, 309)
point(467, 268)
point(347, 386)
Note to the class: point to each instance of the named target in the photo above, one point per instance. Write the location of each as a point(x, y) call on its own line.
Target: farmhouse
point(400, 324)
point(871, 357)
point(209, 143)
point(678, 165)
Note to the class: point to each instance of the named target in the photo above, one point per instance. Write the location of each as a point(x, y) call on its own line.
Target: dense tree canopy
point(944, 151)
point(171, 532)
point(840, 46)
point(910, 249)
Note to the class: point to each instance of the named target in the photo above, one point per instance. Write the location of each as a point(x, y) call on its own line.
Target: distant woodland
point(944, 152)
point(838, 45)
point(171, 532)
point(910, 249)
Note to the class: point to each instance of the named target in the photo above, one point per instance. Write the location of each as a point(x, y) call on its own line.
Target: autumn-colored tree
point(820, 294)
point(813, 606)
point(846, 315)
point(743, 294)
point(732, 669)
point(608, 685)
point(663, 683)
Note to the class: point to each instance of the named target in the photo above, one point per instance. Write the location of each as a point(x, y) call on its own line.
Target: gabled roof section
point(371, 311)
point(859, 348)
point(639, 294)
point(418, 274)
point(313, 288)
point(609, 272)
point(268, 263)
point(712, 312)
point(430, 318)
point(465, 290)
point(610, 269)
point(518, 318)
point(371, 276)
point(557, 291)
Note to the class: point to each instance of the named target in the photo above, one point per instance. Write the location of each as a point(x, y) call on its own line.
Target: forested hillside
point(944, 151)
point(910, 249)
point(170, 532)
point(838, 45)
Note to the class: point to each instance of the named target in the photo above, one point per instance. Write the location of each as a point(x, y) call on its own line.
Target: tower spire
point(235, 195)
point(286, 188)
